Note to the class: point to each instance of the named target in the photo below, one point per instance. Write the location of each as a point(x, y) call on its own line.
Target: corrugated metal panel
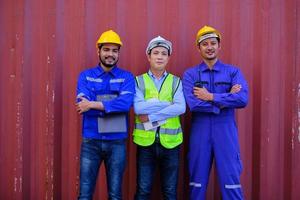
point(45, 44)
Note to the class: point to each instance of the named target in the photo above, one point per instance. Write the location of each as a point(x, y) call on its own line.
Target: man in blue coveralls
point(213, 90)
point(104, 95)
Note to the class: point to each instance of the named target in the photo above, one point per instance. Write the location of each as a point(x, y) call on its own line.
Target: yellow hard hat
point(109, 37)
point(207, 32)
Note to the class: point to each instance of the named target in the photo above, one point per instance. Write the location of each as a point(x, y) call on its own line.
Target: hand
point(143, 118)
point(83, 106)
point(203, 94)
point(236, 88)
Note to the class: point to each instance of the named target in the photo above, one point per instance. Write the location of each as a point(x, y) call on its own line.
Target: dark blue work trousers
point(167, 161)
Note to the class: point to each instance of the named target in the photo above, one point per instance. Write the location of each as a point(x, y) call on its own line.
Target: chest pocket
point(222, 86)
point(115, 87)
point(115, 84)
point(202, 84)
point(95, 86)
point(94, 89)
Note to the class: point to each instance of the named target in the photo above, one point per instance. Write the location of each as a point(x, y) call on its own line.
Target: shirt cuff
point(152, 118)
point(106, 106)
point(217, 97)
point(215, 109)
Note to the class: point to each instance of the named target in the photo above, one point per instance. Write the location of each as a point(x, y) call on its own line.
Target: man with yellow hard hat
point(213, 90)
point(104, 96)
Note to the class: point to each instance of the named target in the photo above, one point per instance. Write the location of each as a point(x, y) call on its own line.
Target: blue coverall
point(214, 132)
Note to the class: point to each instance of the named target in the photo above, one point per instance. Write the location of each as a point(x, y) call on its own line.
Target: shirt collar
point(99, 70)
point(163, 76)
point(203, 67)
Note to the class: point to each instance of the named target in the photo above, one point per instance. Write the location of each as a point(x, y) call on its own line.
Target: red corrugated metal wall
point(45, 44)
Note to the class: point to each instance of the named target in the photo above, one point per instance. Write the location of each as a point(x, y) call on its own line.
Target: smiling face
point(108, 55)
point(209, 49)
point(158, 58)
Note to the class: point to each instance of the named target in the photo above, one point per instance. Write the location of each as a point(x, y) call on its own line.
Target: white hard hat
point(159, 42)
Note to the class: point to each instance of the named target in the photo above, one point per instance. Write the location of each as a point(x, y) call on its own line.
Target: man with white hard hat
point(158, 103)
point(213, 90)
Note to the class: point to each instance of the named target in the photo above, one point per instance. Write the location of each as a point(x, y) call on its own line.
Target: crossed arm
point(154, 110)
point(203, 94)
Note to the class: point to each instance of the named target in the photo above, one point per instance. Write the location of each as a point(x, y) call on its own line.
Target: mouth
point(210, 53)
point(110, 59)
point(159, 63)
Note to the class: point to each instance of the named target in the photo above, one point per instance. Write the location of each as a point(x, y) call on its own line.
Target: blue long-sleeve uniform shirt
point(115, 89)
point(218, 81)
point(159, 110)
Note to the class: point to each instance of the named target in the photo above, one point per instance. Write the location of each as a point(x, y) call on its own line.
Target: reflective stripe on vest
point(140, 126)
point(170, 132)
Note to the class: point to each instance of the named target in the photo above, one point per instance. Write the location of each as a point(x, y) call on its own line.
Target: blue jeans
point(168, 162)
point(93, 152)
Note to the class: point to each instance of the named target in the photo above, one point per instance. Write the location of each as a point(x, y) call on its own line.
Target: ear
point(198, 48)
point(168, 58)
point(98, 52)
point(149, 57)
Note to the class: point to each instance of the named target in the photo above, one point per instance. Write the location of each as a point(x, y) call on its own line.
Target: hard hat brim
point(206, 36)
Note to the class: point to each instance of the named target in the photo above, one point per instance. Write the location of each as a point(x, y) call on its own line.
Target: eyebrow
point(113, 49)
point(163, 51)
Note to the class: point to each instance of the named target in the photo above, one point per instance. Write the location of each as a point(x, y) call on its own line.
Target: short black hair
point(149, 52)
point(100, 46)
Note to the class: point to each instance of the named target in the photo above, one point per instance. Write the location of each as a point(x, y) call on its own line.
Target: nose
point(160, 56)
point(209, 46)
point(110, 53)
